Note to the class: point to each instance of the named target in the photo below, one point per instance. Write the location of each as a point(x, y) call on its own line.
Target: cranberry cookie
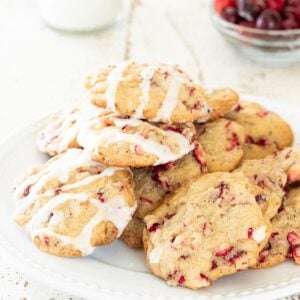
point(71, 204)
point(266, 132)
point(135, 143)
point(159, 92)
point(271, 174)
point(207, 229)
point(62, 129)
point(285, 238)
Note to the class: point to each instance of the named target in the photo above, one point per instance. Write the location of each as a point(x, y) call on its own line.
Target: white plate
point(117, 271)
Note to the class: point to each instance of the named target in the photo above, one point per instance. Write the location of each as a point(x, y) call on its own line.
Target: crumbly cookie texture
point(126, 142)
point(157, 92)
point(270, 175)
point(207, 229)
point(285, 238)
point(61, 132)
point(70, 204)
point(266, 132)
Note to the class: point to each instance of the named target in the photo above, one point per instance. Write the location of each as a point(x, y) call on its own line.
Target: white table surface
point(41, 71)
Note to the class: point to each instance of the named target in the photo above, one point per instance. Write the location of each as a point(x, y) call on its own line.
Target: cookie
point(285, 238)
point(70, 204)
point(266, 132)
point(156, 92)
point(271, 174)
point(61, 132)
point(125, 142)
point(207, 229)
point(222, 142)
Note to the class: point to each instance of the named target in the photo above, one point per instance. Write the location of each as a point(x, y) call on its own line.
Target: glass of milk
point(80, 15)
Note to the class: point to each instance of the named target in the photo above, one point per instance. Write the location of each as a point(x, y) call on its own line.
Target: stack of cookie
point(198, 179)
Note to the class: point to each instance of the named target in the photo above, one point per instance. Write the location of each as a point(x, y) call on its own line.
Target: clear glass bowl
point(269, 47)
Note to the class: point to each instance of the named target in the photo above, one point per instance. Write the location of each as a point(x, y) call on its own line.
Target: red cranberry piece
point(198, 155)
point(274, 234)
point(154, 227)
point(247, 24)
point(101, 196)
point(221, 4)
point(292, 237)
point(293, 3)
point(230, 14)
point(181, 279)
point(222, 188)
point(292, 11)
point(204, 277)
point(234, 142)
point(296, 251)
point(250, 232)
point(239, 107)
point(213, 265)
point(269, 19)
point(27, 191)
point(290, 23)
point(57, 192)
point(249, 9)
point(223, 252)
point(262, 256)
point(276, 4)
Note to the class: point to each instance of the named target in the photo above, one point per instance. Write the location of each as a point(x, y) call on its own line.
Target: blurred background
point(41, 67)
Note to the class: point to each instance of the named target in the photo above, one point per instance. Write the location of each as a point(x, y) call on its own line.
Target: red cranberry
point(290, 23)
point(276, 4)
point(230, 14)
point(154, 227)
point(292, 237)
point(269, 19)
point(274, 234)
point(181, 279)
point(234, 142)
point(293, 3)
point(223, 252)
point(27, 191)
point(222, 188)
point(213, 265)
point(292, 11)
point(249, 9)
point(247, 24)
point(204, 277)
point(221, 4)
point(250, 232)
point(198, 155)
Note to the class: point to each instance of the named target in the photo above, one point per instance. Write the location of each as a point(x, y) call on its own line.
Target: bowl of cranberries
point(265, 31)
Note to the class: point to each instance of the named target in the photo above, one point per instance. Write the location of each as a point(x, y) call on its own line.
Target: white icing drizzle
point(259, 234)
point(58, 135)
point(113, 79)
point(91, 139)
point(169, 103)
point(115, 210)
point(147, 75)
point(59, 168)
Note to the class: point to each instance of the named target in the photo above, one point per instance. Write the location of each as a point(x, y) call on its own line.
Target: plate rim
point(58, 280)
